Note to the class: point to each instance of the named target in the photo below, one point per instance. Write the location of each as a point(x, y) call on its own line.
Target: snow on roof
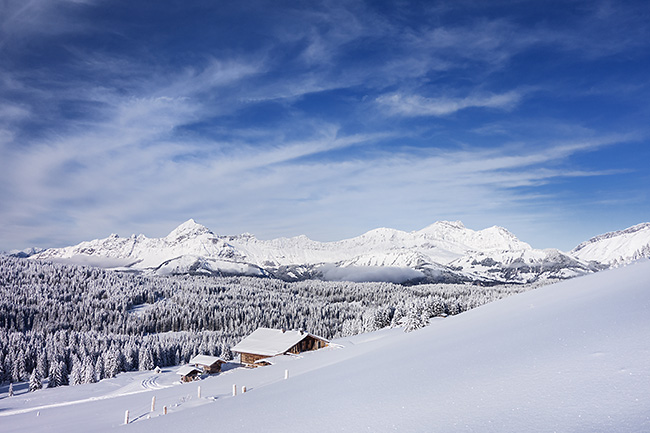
point(271, 342)
point(205, 360)
point(187, 369)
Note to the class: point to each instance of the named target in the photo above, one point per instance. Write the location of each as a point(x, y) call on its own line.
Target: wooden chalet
point(188, 373)
point(208, 364)
point(265, 343)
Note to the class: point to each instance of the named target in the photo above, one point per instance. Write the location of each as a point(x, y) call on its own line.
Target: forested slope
point(78, 324)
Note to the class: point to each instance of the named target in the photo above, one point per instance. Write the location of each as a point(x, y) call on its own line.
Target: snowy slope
point(443, 251)
point(567, 357)
point(617, 247)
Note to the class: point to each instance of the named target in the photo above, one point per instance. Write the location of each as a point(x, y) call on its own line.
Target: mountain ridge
point(618, 247)
point(445, 251)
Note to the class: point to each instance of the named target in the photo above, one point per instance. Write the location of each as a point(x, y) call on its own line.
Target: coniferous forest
point(73, 324)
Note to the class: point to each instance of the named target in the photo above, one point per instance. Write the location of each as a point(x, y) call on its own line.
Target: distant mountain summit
point(615, 248)
point(442, 252)
point(188, 229)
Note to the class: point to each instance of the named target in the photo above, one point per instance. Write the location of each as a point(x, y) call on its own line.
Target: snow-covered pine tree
point(113, 363)
point(415, 318)
point(41, 363)
point(99, 369)
point(52, 380)
point(56, 374)
point(35, 381)
point(352, 327)
point(130, 357)
point(145, 359)
point(88, 371)
point(10, 391)
point(76, 371)
point(398, 316)
point(226, 353)
point(18, 372)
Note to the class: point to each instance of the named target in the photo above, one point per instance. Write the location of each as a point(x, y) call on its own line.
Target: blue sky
point(322, 118)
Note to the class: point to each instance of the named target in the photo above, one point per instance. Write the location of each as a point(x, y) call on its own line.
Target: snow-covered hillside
point(566, 357)
point(442, 252)
point(615, 248)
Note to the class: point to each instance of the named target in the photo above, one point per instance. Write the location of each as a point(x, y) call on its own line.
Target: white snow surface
point(569, 357)
point(187, 369)
point(205, 360)
point(615, 248)
point(192, 247)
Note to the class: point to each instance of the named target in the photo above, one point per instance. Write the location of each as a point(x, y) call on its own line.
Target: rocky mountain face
point(442, 252)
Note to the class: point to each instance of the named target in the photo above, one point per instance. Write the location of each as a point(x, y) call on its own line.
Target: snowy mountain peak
point(443, 226)
point(189, 228)
point(505, 238)
point(444, 251)
point(617, 247)
point(628, 231)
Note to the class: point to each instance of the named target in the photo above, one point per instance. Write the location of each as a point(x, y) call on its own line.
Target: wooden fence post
point(234, 390)
point(286, 374)
point(243, 389)
point(153, 403)
point(164, 410)
point(198, 392)
point(126, 417)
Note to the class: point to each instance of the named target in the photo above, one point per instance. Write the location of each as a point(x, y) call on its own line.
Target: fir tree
point(99, 369)
point(88, 371)
point(35, 381)
point(58, 375)
point(76, 371)
point(145, 359)
point(18, 372)
point(415, 319)
point(226, 353)
point(130, 358)
point(10, 392)
point(113, 363)
point(41, 364)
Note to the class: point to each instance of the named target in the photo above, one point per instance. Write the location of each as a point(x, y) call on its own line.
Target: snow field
point(568, 357)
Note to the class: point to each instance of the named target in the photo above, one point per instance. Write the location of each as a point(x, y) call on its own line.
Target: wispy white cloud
point(97, 179)
point(416, 105)
point(240, 139)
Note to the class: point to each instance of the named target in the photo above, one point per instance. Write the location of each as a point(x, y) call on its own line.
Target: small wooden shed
point(265, 342)
point(188, 373)
point(207, 363)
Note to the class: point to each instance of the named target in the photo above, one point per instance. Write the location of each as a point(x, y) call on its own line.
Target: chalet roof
point(271, 342)
point(187, 369)
point(205, 360)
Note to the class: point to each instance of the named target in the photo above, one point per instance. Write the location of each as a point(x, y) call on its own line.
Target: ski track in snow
point(148, 384)
point(151, 382)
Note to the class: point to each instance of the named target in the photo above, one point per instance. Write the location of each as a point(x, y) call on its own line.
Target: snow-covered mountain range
point(442, 252)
